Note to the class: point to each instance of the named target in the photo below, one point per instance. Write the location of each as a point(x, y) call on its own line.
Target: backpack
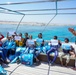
point(2, 71)
point(27, 59)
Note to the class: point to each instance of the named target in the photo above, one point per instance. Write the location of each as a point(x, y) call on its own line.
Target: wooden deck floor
point(42, 69)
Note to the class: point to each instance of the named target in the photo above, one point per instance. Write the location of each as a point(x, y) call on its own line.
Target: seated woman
point(2, 52)
point(55, 44)
point(31, 44)
point(67, 50)
point(21, 43)
point(20, 40)
point(9, 46)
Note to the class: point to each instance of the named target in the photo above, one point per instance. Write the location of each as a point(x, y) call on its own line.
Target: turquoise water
point(48, 32)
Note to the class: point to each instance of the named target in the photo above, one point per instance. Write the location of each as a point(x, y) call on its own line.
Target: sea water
point(47, 31)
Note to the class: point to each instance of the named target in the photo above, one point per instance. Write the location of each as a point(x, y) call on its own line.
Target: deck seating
point(43, 57)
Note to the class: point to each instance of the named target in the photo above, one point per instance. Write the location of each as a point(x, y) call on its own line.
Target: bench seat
point(43, 57)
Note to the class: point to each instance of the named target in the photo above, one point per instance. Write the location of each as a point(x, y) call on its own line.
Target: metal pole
point(48, 68)
point(50, 21)
point(19, 23)
point(15, 12)
point(12, 11)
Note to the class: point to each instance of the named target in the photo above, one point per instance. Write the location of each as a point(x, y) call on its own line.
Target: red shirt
point(1, 37)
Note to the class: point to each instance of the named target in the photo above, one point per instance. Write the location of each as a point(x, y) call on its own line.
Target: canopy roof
point(14, 3)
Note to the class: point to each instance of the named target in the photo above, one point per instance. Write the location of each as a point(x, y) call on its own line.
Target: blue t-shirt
point(9, 44)
point(66, 46)
point(39, 41)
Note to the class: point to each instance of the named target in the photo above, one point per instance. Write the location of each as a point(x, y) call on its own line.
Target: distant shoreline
point(22, 23)
point(32, 23)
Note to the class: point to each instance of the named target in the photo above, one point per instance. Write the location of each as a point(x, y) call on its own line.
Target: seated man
point(40, 40)
point(26, 38)
point(39, 43)
point(55, 44)
point(67, 50)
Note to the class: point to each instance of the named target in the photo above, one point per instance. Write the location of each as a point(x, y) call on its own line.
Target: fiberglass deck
point(42, 69)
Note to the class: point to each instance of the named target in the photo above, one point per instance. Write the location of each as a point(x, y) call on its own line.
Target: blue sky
point(59, 19)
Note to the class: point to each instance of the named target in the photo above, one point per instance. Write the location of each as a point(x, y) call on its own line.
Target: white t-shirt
point(30, 42)
point(54, 42)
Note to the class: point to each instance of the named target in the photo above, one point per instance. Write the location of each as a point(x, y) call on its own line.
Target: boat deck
point(42, 69)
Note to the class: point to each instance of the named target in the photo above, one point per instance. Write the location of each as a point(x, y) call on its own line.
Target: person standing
point(74, 33)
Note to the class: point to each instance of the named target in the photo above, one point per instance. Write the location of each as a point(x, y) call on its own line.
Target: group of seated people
point(9, 45)
point(37, 46)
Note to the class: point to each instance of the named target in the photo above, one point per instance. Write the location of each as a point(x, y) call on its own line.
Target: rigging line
point(52, 17)
point(19, 23)
point(32, 2)
point(12, 11)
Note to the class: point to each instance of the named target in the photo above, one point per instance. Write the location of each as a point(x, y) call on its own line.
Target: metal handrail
point(32, 2)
